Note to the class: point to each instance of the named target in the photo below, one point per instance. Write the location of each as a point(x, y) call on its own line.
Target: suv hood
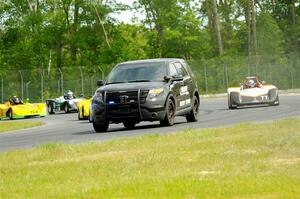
point(132, 86)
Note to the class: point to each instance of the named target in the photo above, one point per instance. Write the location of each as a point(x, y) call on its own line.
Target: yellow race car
point(16, 109)
point(83, 108)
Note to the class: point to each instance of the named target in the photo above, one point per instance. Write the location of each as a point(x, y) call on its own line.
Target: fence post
point(58, 85)
point(226, 75)
point(101, 72)
point(2, 90)
point(26, 87)
point(292, 78)
point(205, 75)
point(22, 85)
point(81, 77)
point(42, 84)
point(92, 84)
point(270, 74)
point(62, 81)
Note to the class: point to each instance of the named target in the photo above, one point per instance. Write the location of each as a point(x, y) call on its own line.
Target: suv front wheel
point(100, 128)
point(170, 114)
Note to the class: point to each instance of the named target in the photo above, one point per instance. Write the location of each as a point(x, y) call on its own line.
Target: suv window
point(173, 71)
point(181, 70)
point(137, 72)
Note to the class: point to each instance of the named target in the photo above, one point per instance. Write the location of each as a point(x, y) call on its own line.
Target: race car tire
point(276, 102)
point(9, 114)
point(129, 124)
point(100, 128)
point(50, 109)
point(231, 102)
point(67, 108)
point(193, 115)
point(82, 112)
point(170, 114)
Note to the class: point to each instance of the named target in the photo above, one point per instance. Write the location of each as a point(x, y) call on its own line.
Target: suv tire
point(100, 128)
point(129, 124)
point(170, 114)
point(193, 115)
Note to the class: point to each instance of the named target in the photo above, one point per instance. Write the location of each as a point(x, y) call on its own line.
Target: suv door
point(185, 99)
point(175, 85)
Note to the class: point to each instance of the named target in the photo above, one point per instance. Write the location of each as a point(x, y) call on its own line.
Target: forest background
point(48, 46)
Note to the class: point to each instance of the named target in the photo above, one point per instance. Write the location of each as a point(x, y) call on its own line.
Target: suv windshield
point(145, 72)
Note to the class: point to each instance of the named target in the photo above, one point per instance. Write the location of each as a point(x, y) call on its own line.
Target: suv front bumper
point(138, 108)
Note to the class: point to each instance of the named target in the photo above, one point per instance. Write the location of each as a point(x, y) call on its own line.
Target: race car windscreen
point(146, 72)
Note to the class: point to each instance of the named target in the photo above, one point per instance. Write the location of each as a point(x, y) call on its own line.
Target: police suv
point(146, 90)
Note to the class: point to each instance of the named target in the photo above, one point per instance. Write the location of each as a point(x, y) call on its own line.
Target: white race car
point(252, 92)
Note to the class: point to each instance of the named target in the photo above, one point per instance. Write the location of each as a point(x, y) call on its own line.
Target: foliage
point(58, 35)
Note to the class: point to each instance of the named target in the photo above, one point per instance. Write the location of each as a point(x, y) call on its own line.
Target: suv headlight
point(155, 92)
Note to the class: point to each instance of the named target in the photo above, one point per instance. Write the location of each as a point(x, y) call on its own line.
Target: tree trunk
point(253, 25)
point(293, 12)
point(103, 28)
point(248, 23)
point(49, 63)
point(228, 23)
point(58, 49)
point(218, 27)
point(210, 22)
point(254, 39)
point(73, 31)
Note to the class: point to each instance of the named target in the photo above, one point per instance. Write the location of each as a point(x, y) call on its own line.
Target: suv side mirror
point(167, 78)
point(100, 83)
point(177, 78)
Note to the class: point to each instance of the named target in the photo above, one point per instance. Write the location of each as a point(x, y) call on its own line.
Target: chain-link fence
point(41, 84)
point(214, 76)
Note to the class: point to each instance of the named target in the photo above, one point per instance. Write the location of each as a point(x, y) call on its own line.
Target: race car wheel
point(276, 103)
point(81, 116)
point(129, 124)
point(100, 128)
point(67, 108)
point(9, 114)
point(193, 115)
point(170, 114)
point(231, 102)
point(50, 109)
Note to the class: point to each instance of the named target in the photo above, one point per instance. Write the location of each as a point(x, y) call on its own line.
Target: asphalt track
point(65, 128)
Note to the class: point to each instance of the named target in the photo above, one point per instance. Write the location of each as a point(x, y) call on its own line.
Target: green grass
point(244, 161)
point(10, 126)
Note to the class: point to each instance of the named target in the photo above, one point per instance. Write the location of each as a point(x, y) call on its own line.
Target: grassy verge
point(10, 126)
point(244, 161)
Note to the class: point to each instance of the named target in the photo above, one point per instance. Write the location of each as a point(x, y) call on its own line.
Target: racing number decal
point(33, 112)
point(185, 102)
point(184, 90)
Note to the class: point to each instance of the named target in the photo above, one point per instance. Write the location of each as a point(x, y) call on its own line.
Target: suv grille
point(120, 104)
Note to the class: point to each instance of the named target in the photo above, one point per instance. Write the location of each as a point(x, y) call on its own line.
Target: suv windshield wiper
point(140, 80)
point(115, 83)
